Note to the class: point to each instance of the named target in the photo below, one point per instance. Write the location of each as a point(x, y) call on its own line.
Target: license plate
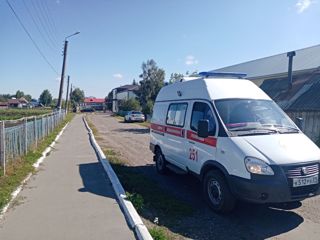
point(299, 182)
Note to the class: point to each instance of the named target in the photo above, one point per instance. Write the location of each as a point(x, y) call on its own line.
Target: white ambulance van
point(229, 133)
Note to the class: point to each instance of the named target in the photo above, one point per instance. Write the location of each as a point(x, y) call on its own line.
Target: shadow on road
point(134, 130)
point(248, 221)
point(94, 180)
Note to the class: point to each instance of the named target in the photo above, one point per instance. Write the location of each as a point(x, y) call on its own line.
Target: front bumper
point(271, 189)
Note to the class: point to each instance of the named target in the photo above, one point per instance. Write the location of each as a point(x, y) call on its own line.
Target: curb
point(130, 212)
point(35, 165)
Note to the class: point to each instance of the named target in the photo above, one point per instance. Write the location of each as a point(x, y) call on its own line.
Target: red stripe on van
point(179, 132)
point(212, 141)
point(157, 127)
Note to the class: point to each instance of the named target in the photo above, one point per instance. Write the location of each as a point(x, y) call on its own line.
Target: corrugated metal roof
point(310, 100)
point(305, 59)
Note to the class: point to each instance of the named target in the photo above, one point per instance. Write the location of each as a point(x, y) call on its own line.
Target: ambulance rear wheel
point(217, 192)
point(160, 162)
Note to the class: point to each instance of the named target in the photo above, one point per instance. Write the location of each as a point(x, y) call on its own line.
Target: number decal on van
point(193, 154)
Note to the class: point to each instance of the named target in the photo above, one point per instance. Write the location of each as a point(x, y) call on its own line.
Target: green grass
point(158, 233)
point(17, 171)
point(12, 114)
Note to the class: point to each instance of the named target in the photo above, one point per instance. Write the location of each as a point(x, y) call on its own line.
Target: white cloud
point(118, 76)
point(191, 60)
point(303, 5)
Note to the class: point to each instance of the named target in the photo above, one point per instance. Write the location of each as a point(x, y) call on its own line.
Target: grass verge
point(12, 114)
point(18, 170)
point(149, 199)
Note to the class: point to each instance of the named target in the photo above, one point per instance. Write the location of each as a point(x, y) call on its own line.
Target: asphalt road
point(248, 221)
point(69, 198)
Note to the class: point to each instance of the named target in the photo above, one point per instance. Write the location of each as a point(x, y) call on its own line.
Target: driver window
point(202, 111)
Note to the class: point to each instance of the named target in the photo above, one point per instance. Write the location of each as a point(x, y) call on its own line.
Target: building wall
point(311, 126)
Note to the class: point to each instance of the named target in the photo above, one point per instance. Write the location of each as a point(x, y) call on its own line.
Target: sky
point(117, 36)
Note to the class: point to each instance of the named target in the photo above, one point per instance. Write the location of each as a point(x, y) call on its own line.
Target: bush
point(130, 104)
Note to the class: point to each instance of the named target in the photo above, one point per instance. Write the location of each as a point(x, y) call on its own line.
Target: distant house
point(94, 103)
point(122, 93)
point(18, 103)
point(299, 97)
point(3, 105)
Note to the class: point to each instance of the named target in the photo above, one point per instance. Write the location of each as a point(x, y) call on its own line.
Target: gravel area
point(248, 221)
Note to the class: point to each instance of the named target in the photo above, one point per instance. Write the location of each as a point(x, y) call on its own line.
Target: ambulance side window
point(176, 114)
point(202, 111)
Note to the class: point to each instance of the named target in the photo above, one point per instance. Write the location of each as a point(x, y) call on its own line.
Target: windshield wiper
point(289, 129)
point(254, 131)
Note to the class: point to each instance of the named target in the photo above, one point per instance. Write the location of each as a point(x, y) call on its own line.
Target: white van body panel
point(285, 148)
point(211, 89)
point(230, 154)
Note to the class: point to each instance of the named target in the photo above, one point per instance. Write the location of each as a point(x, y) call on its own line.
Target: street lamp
point(63, 69)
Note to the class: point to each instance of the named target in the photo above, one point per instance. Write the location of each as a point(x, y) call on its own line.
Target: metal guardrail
point(17, 137)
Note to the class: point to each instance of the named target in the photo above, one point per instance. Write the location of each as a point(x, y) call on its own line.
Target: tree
point(134, 82)
point(109, 100)
point(45, 98)
point(19, 94)
point(151, 83)
point(175, 77)
point(28, 97)
point(76, 97)
point(130, 104)
point(4, 97)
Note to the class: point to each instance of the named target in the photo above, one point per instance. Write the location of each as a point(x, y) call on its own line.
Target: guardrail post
point(25, 135)
point(2, 147)
point(35, 131)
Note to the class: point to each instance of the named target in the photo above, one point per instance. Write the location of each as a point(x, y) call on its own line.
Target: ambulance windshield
point(250, 114)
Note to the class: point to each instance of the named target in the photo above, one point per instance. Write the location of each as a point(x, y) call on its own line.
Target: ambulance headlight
point(257, 166)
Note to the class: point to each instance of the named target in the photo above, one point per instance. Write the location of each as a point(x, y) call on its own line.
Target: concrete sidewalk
point(69, 198)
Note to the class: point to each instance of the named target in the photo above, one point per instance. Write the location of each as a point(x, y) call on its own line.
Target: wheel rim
point(160, 162)
point(214, 192)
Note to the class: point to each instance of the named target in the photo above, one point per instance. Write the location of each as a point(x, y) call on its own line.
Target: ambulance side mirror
point(203, 128)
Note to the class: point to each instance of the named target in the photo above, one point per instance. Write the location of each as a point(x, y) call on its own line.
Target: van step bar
point(175, 169)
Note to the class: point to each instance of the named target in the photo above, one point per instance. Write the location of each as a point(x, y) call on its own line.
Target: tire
point(160, 163)
point(217, 192)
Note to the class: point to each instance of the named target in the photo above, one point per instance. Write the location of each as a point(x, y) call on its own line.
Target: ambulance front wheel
point(217, 192)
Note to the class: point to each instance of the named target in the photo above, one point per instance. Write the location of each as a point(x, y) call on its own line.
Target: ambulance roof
point(211, 89)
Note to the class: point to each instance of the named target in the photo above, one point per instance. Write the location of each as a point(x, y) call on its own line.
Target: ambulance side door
point(199, 149)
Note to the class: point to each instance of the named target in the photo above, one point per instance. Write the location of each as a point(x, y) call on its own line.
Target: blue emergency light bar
point(223, 74)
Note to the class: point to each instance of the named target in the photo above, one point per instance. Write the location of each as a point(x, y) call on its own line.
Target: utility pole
point(66, 105)
point(63, 69)
point(70, 96)
point(62, 74)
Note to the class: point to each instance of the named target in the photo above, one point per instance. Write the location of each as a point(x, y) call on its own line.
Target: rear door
point(199, 149)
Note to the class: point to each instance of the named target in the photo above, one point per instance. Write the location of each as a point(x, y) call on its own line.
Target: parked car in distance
point(134, 116)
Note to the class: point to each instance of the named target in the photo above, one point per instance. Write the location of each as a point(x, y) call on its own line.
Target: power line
point(37, 26)
point(49, 18)
point(42, 22)
point(32, 40)
point(46, 20)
